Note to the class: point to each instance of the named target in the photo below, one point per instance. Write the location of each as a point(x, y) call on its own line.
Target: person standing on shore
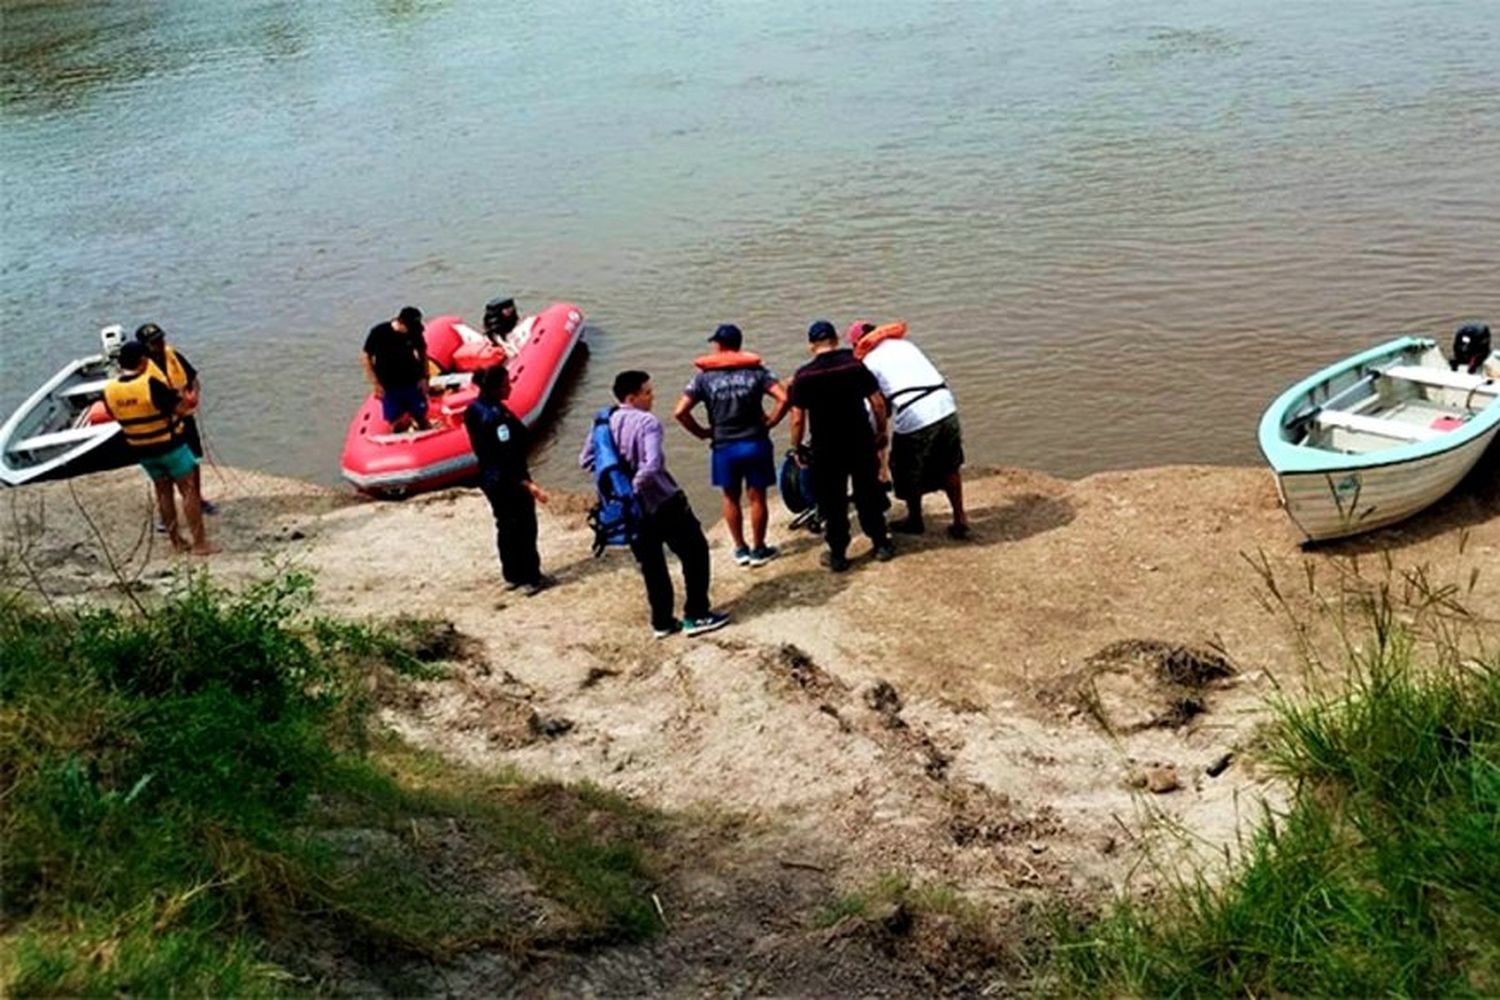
point(927, 445)
point(830, 392)
point(500, 442)
point(182, 378)
point(731, 384)
point(666, 517)
point(150, 416)
point(396, 364)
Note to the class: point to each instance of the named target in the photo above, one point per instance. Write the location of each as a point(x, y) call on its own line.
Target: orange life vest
point(890, 331)
point(720, 360)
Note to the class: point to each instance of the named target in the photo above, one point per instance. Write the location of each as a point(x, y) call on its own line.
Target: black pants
point(831, 473)
point(515, 532)
point(673, 525)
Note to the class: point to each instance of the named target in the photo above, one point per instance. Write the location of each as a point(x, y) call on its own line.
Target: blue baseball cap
point(821, 330)
point(729, 335)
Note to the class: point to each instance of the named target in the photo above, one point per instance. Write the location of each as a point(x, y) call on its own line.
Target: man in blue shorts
point(732, 384)
point(396, 364)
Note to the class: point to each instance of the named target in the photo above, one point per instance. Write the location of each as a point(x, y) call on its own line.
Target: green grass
point(180, 791)
point(1381, 878)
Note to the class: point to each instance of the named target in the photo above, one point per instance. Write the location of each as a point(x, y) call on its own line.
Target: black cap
point(411, 316)
point(149, 331)
point(729, 335)
point(132, 353)
point(821, 330)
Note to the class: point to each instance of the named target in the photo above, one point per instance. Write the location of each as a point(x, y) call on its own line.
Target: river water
point(1120, 228)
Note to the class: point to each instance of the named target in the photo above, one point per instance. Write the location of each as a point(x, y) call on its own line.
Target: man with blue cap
point(830, 393)
point(731, 384)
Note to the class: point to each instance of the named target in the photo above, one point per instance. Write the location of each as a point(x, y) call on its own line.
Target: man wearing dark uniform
point(500, 442)
point(830, 392)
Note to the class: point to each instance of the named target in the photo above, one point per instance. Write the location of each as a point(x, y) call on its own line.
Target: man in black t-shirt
point(396, 365)
point(830, 391)
point(500, 442)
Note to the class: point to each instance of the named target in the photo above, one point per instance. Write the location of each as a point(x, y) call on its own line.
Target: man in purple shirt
point(667, 519)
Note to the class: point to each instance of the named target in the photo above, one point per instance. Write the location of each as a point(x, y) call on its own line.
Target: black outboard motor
point(1471, 345)
point(499, 318)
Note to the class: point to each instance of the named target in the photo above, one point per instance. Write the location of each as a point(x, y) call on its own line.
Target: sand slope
point(982, 712)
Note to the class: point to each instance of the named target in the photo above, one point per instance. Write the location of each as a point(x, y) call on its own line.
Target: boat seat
point(71, 436)
point(1394, 429)
point(1462, 381)
point(84, 389)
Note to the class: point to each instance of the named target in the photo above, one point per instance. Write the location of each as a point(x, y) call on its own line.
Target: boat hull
point(61, 411)
point(389, 466)
point(1341, 503)
point(1342, 482)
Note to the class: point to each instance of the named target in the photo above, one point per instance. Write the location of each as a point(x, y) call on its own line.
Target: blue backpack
point(616, 517)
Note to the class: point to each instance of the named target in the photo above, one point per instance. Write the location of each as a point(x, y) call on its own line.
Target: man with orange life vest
point(927, 448)
point(150, 413)
point(731, 383)
point(182, 378)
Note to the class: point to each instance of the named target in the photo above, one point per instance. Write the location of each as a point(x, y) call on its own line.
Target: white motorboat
point(63, 430)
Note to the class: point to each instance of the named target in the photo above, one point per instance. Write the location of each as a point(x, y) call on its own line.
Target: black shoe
point(908, 526)
point(542, 583)
point(885, 552)
point(959, 532)
point(836, 561)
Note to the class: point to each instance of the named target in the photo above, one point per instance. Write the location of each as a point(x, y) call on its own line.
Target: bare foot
point(206, 549)
point(179, 544)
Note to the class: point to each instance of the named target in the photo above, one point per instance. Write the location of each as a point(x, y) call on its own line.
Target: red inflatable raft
point(392, 465)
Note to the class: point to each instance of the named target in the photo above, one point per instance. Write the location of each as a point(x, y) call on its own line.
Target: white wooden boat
point(59, 432)
point(1378, 437)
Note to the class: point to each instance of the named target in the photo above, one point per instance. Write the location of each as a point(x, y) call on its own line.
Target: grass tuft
point(194, 800)
point(1383, 875)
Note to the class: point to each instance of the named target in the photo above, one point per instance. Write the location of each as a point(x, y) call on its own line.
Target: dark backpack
point(1471, 345)
point(796, 485)
point(616, 516)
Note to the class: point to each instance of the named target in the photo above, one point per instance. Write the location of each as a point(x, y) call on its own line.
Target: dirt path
point(982, 714)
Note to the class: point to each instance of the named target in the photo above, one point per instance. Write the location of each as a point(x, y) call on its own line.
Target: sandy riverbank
point(938, 715)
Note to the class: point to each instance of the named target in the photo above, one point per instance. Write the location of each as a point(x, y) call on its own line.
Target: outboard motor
point(499, 319)
point(1471, 345)
point(111, 339)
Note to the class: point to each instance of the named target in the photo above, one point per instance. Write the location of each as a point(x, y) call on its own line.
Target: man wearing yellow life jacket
point(149, 413)
point(731, 385)
point(182, 378)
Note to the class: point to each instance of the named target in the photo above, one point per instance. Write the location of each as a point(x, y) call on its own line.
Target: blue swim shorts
point(410, 399)
point(751, 462)
point(174, 464)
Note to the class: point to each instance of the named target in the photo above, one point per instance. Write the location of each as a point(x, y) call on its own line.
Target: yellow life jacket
point(175, 376)
point(141, 421)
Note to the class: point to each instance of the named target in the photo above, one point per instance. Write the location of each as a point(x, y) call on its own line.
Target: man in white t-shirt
point(927, 449)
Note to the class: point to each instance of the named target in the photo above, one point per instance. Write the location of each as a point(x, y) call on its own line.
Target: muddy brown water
point(1119, 228)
